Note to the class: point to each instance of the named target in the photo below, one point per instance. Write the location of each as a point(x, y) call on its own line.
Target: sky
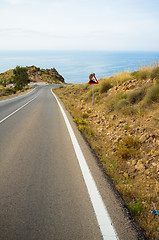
point(111, 25)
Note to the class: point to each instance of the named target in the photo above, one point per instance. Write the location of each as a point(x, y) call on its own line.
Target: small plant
point(121, 77)
point(152, 95)
point(80, 121)
point(89, 111)
point(137, 208)
point(144, 73)
point(122, 103)
point(155, 71)
point(113, 104)
point(105, 86)
point(137, 95)
point(85, 115)
point(129, 110)
point(127, 147)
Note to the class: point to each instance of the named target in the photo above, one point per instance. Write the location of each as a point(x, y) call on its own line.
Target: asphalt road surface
point(43, 194)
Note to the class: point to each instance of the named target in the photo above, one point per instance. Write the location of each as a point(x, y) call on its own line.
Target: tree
point(20, 77)
point(90, 76)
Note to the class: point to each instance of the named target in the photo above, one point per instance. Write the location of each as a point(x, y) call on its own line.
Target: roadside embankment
point(122, 128)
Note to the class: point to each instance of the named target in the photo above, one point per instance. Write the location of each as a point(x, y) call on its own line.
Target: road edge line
point(104, 221)
point(17, 110)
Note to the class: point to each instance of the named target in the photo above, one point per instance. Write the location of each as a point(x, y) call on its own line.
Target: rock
point(147, 172)
point(133, 162)
point(140, 166)
point(122, 121)
point(154, 164)
point(112, 117)
point(144, 137)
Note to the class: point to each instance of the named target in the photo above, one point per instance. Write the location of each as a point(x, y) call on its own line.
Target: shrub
point(128, 147)
point(122, 103)
point(105, 86)
point(85, 115)
point(112, 105)
point(121, 77)
point(129, 110)
point(80, 121)
point(152, 95)
point(155, 71)
point(144, 73)
point(137, 208)
point(136, 96)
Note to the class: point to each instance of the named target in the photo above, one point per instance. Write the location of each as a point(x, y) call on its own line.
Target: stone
point(147, 172)
point(144, 137)
point(140, 166)
point(154, 164)
point(133, 162)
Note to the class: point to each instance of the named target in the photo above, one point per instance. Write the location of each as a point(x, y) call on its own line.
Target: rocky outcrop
point(46, 75)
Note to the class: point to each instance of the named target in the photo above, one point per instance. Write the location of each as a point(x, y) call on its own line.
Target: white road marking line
point(103, 219)
point(18, 109)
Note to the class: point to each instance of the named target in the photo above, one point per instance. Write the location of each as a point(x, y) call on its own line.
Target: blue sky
point(116, 25)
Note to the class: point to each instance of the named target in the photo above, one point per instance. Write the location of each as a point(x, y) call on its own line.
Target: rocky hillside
point(35, 74)
point(122, 127)
point(45, 75)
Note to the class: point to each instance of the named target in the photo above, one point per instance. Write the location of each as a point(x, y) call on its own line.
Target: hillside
point(35, 75)
point(45, 75)
point(122, 128)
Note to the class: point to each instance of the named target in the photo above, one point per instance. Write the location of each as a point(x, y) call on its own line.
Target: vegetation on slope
point(27, 74)
point(123, 130)
point(45, 75)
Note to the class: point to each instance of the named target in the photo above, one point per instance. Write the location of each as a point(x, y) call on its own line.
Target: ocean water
point(76, 66)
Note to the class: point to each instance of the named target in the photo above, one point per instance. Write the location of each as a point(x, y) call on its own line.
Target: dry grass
point(119, 78)
point(124, 133)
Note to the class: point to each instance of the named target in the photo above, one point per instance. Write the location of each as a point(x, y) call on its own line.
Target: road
point(43, 193)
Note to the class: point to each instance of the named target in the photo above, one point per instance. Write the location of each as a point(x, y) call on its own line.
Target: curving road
point(43, 194)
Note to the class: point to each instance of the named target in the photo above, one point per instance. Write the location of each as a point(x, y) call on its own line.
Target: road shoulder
point(123, 222)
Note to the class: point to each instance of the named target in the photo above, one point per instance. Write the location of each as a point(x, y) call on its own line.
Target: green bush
point(137, 208)
point(80, 121)
point(136, 95)
point(105, 86)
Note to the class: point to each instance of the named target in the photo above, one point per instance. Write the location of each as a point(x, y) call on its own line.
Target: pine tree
point(20, 77)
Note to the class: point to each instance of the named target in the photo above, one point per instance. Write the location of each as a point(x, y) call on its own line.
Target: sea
point(76, 66)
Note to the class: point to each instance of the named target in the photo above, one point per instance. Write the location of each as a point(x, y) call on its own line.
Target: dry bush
point(128, 147)
point(152, 95)
point(119, 78)
point(105, 86)
point(144, 72)
point(136, 95)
